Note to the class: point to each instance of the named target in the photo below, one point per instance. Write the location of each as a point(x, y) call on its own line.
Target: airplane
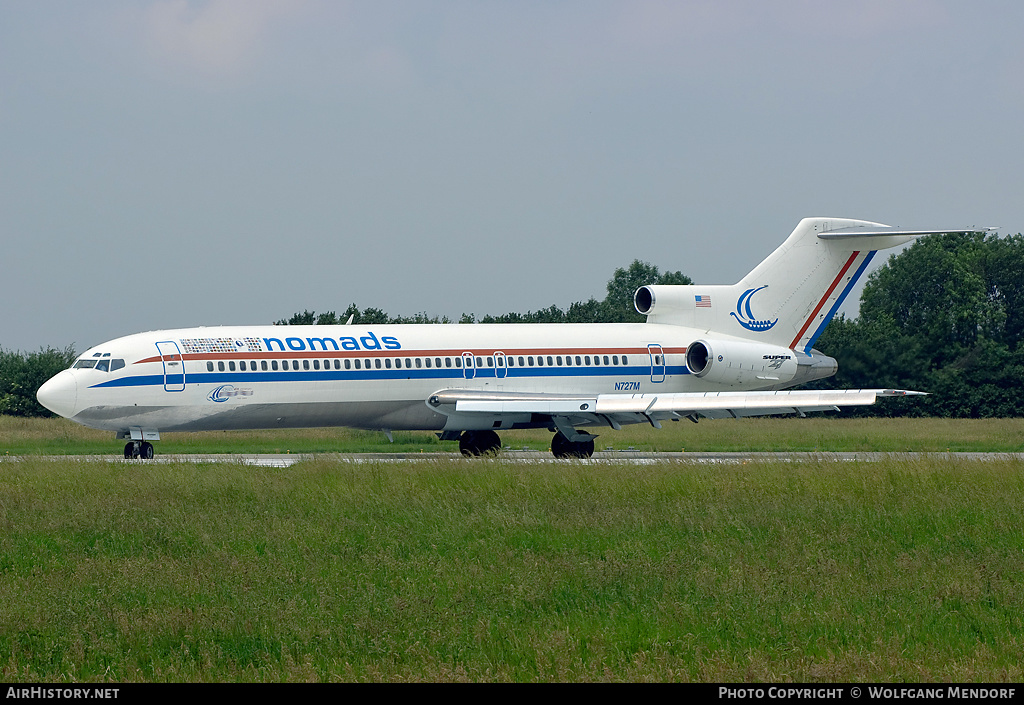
point(711, 351)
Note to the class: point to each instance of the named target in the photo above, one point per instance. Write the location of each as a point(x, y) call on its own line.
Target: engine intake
point(643, 300)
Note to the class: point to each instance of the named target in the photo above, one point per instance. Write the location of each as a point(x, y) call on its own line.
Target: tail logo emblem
point(745, 317)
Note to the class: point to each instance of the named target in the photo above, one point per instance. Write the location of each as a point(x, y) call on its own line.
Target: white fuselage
point(373, 377)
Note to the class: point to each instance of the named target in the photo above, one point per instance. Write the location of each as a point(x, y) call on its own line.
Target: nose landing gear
point(138, 450)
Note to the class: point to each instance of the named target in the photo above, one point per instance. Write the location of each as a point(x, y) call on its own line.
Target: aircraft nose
point(59, 394)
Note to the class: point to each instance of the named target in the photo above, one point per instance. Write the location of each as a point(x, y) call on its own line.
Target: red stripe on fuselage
point(824, 298)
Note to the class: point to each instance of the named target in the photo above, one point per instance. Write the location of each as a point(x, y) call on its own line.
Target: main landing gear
point(476, 443)
point(562, 447)
point(138, 450)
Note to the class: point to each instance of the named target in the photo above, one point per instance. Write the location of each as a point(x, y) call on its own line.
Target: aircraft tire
point(476, 443)
point(491, 443)
point(562, 447)
point(469, 445)
point(129, 450)
point(146, 451)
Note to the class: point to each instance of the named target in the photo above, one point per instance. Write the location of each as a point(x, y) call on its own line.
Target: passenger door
point(174, 366)
point(657, 362)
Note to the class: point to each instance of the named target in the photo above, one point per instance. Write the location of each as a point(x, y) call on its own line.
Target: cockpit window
point(102, 365)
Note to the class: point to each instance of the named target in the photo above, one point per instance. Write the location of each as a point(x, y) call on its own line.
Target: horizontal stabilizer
point(846, 233)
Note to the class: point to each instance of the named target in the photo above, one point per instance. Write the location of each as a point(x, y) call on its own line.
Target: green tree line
point(22, 374)
point(946, 316)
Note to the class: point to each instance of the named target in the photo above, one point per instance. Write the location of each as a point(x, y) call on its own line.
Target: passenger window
point(273, 365)
point(348, 364)
point(316, 364)
point(530, 360)
point(479, 362)
point(337, 364)
point(209, 366)
point(490, 362)
point(428, 362)
point(376, 363)
point(578, 361)
point(241, 365)
point(521, 361)
point(263, 365)
point(550, 361)
point(624, 361)
point(540, 361)
point(437, 362)
point(559, 360)
point(587, 358)
point(606, 359)
point(447, 362)
point(231, 365)
point(615, 359)
point(419, 362)
point(458, 363)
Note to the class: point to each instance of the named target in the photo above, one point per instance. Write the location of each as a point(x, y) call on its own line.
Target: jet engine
point(736, 362)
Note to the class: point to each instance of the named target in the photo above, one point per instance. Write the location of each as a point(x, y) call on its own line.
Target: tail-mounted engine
point(735, 362)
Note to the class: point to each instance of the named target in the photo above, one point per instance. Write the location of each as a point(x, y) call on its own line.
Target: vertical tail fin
point(790, 297)
point(804, 282)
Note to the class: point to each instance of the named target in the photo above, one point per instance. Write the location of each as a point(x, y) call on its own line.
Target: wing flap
point(558, 407)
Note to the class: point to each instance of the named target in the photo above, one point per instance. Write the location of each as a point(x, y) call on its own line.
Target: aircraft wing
point(616, 409)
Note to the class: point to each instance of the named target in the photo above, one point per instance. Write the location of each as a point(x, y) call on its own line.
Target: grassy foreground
point(19, 436)
point(493, 570)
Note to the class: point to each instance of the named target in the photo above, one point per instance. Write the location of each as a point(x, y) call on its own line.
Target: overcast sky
point(170, 163)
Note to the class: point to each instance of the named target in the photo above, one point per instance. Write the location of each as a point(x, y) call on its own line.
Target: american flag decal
point(703, 301)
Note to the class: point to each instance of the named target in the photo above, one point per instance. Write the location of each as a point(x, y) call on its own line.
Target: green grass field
point(493, 570)
point(820, 433)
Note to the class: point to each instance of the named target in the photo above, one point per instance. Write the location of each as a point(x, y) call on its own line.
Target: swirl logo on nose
point(227, 391)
